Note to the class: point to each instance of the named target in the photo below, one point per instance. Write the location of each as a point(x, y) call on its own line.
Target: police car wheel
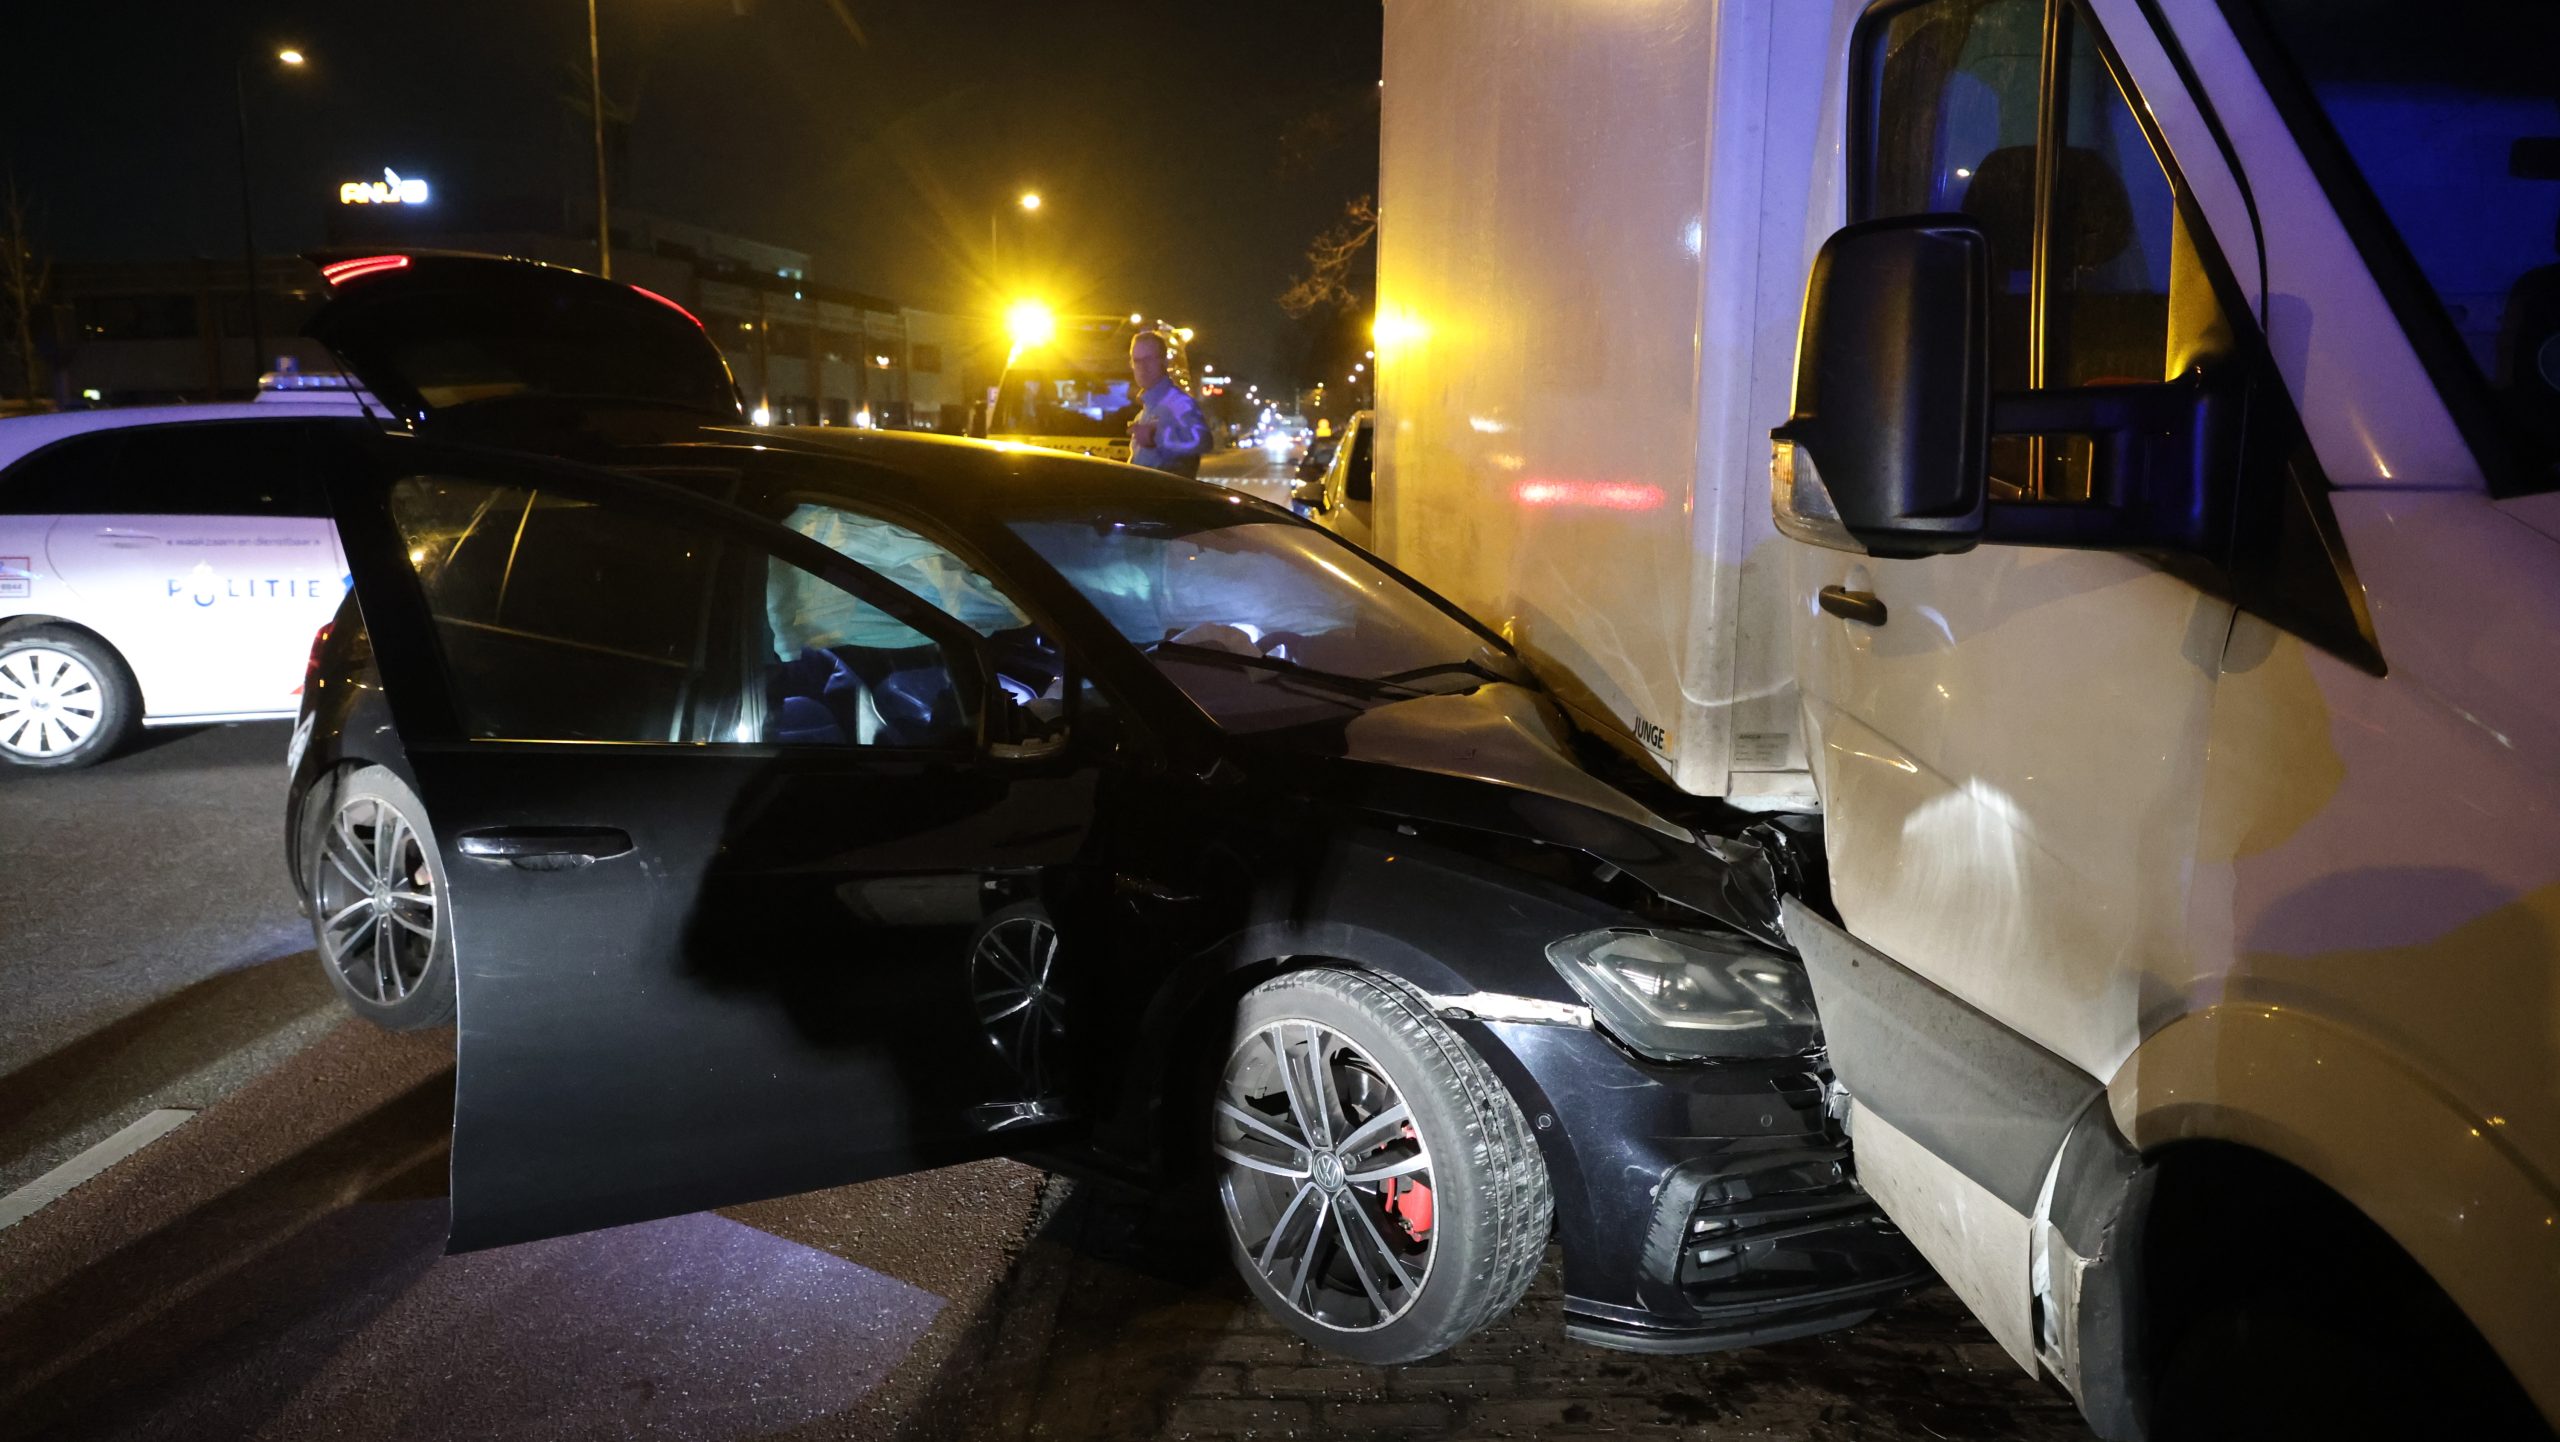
point(377, 889)
point(66, 699)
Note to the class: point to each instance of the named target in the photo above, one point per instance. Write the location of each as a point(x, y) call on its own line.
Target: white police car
point(161, 566)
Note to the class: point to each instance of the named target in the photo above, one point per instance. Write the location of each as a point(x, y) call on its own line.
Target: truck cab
point(2159, 403)
point(2184, 767)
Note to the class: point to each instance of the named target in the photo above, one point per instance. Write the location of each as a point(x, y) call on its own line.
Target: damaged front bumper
point(1701, 1207)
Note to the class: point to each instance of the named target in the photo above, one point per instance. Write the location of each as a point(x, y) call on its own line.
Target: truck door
point(2010, 745)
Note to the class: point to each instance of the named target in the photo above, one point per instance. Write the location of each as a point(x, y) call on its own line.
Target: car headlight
point(1690, 996)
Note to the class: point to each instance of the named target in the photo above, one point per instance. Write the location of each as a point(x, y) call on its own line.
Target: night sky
point(1186, 152)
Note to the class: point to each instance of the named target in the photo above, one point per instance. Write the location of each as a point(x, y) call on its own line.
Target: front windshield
point(2450, 112)
point(1263, 623)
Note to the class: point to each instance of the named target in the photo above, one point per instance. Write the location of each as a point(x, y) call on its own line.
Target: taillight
point(311, 663)
point(671, 305)
point(339, 272)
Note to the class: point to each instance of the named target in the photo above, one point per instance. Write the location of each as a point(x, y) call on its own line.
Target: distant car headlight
point(1690, 996)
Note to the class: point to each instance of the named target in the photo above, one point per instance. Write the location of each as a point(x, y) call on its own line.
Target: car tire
point(1396, 1236)
point(66, 699)
point(371, 855)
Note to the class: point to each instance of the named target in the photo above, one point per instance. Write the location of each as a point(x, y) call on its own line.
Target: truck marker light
point(1591, 495)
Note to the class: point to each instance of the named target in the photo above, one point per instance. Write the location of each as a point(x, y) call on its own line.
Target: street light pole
point(595, 104)
point(248, 222)
point(248, 213)
point(1028, 201)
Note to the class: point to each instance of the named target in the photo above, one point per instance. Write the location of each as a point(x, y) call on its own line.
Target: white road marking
point(26, 1201)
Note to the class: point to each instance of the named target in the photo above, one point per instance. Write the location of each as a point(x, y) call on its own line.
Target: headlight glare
point(1690, 996)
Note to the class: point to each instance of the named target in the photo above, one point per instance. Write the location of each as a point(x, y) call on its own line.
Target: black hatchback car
point(782, 808)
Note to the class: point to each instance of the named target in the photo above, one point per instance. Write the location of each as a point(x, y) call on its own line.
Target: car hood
point(1500, 734)
point(1500, 758)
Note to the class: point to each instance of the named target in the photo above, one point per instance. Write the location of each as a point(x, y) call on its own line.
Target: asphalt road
point(1252, 470)
point(273, 1267)
point(152, 954)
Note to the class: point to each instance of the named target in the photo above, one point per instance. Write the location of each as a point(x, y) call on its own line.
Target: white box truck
point(2154, 583)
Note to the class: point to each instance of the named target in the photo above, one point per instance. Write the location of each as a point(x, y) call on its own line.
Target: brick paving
point(1107, 1330)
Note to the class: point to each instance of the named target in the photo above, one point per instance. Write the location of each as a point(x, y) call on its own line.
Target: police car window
point(559, 619)
point(240, 468)
point(1356, 476)
point(61, 476)
point(244, 468)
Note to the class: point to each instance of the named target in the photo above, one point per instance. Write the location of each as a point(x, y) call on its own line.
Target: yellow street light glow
point(1031, 200)
point(1185, 333)
point(289, 55)
point(1393, 328)
point(1029, 324)
point(1136, 319)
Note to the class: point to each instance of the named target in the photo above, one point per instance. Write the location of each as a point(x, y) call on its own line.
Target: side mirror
point(1019, 725)
point(1309, 494)
point(1019, 730)
point(1887, 453)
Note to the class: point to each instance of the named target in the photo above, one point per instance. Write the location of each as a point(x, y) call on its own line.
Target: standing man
point(1169, 433)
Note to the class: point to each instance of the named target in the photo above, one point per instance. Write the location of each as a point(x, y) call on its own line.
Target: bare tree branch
point(24, 277)
point(1329, 260)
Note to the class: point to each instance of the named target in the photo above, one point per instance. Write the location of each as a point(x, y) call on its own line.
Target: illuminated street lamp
point(1029, 324)
point(1031, 200)
point(292, 59)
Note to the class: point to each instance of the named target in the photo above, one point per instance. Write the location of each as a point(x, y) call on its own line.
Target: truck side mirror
point(1887, 453)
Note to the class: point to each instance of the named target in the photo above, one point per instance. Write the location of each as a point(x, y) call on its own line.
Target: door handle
point(545, 848)
point(1859, 606)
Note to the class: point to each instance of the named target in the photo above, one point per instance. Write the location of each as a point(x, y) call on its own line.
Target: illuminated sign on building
point(389, 190)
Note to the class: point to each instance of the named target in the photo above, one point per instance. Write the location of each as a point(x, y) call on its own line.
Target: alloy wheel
point(376, 898)
point(50, 702)
point(1012, 978)
point(1327, 1183)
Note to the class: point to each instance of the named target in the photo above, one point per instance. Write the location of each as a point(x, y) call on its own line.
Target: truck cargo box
point(1590, 269)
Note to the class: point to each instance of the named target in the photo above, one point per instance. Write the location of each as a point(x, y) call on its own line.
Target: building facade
point(804, 352)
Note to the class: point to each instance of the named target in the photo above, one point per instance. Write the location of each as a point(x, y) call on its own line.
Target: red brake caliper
point(1409, 1202)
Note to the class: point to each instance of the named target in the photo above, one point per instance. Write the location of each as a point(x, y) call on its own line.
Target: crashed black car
point(782, 808)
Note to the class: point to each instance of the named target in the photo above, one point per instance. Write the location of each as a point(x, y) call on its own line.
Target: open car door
point(756, 876)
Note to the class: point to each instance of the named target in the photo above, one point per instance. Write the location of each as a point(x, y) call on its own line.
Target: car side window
point(2007, 110)
point(916, 563)
point(1356, 476)
point(806, 614)
point(223, 468)
point(561, 619)
point(61, 476)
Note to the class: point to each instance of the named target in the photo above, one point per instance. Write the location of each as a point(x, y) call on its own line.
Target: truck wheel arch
point(2232, 1088)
